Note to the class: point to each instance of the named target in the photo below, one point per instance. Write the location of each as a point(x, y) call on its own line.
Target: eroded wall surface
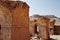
point(14, 20)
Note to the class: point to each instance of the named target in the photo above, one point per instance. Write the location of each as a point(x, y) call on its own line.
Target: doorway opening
point(0, 27)
point(36, 29)
point(0, 32)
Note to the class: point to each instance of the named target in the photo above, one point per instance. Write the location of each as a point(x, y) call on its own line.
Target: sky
point(44, 7)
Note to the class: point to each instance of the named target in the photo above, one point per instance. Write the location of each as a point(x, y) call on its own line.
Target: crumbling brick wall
point(14, 20)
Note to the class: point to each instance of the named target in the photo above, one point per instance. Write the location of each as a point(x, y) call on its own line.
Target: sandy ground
point(56, 37)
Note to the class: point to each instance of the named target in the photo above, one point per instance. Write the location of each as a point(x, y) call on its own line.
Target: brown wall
point(15, 16)
point(20, 24)
point(43, 24)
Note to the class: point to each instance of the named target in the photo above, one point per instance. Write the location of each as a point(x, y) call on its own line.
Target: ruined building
point(14, 20)
point(42, 26)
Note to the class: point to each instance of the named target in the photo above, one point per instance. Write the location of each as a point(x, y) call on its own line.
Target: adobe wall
point(5, 22)
point(20, 23)
point(14, 20)
point(43, 24)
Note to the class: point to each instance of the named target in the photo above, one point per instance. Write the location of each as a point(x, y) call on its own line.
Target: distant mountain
point(48, 16)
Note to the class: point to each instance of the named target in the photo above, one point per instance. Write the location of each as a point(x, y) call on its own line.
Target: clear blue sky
point(44, 7)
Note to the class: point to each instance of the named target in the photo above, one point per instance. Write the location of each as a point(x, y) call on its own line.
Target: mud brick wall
point(5, 23)
point(51, 27)
point(20, 23)
point(14, 20)
point(44, 25)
